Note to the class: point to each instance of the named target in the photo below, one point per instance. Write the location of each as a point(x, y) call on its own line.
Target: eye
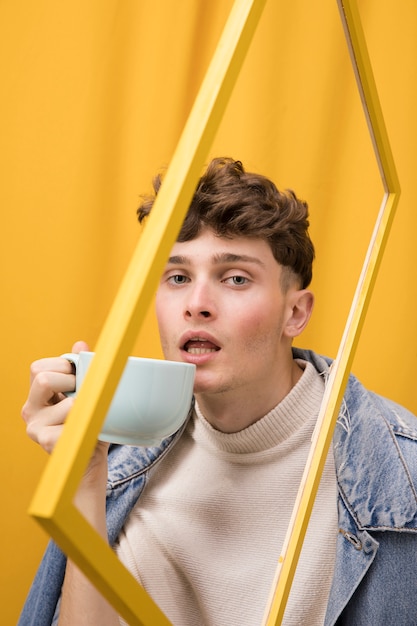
point(178, 279)
point(237, 281)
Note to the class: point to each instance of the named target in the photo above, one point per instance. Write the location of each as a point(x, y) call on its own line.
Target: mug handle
point(72, 358)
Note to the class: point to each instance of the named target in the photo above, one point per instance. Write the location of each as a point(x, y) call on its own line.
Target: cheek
point(163, 308)
point(168, 326)
point(162, 318)
point(249, 333)
point(259, 328)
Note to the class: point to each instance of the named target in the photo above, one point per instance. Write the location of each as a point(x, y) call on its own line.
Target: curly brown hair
point(235, 203)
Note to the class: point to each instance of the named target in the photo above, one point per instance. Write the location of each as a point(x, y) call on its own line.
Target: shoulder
point(402, 421)
point(375, 446)
point(375, 451)
point(127, 463)
point(359, 401)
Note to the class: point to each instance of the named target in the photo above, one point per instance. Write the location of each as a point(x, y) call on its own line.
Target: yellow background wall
point(94, 97)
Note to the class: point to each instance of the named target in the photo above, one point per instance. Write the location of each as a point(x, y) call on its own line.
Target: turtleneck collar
point(289, 416)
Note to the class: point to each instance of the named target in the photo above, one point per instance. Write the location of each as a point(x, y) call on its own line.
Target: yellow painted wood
point(356, 42)
point(52, 503)
point(77, 538)
point(341, 367)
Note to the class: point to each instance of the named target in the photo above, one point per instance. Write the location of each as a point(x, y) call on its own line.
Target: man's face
point(220, 306)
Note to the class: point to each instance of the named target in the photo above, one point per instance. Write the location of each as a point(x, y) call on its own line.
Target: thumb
point(80, 346)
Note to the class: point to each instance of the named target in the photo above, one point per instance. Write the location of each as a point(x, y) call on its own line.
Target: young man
point(200, 521)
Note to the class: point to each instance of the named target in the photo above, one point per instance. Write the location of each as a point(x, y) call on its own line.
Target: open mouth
point(199, 345)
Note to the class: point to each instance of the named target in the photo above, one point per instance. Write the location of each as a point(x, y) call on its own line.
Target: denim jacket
point(375, 450)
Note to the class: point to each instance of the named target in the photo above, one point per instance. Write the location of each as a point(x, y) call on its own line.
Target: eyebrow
point(218, 259)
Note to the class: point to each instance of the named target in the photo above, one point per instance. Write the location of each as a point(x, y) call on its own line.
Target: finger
point(47, 437)
point(49, 415)
point(80, 346)
point(44, 426)
point(48, 388)
point(54, 364)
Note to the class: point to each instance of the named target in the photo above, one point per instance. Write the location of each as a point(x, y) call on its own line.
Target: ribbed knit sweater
point(205, 537)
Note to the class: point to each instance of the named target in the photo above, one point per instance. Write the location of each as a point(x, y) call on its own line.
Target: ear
point(301, 307)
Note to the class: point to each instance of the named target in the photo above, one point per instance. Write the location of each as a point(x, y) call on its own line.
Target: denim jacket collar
point(367, 447)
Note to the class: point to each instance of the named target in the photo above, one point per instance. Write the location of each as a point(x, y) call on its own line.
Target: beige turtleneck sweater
point(205, 536)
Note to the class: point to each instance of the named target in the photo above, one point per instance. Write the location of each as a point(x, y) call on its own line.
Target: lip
point(198, 358)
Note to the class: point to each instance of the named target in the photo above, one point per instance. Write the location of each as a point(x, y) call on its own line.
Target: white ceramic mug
point(151, 402)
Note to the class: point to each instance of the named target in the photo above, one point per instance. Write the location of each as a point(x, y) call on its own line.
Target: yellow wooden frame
point(52, 505)
point(341, 366)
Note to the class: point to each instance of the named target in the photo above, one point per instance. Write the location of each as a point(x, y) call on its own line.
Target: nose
point(199, 303)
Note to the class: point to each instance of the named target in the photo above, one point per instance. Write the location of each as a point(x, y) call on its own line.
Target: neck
point(232, 411)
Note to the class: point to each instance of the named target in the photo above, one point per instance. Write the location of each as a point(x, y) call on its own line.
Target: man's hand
point(46, 407)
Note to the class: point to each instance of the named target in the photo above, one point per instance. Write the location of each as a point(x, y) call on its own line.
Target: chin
point(210, 387)
point(202, 386)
